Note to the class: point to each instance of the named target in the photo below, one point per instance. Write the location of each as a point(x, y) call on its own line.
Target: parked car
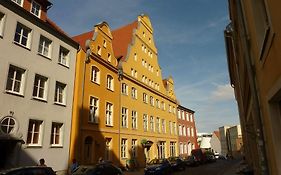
point(190, 161)
point(29, 170)
point(158, 167)
point(105, 168)
point(211, 158)
point(199, 155)
point(177, 163)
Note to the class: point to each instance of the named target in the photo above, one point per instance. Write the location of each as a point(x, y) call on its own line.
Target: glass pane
point(17, 86)
point(36, 138)
point(24, 41)
point(29, 137)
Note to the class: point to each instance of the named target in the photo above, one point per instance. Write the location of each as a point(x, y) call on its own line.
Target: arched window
point(95, 76)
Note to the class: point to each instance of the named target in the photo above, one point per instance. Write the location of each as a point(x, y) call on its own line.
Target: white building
point(37, 71)
point(215, 142)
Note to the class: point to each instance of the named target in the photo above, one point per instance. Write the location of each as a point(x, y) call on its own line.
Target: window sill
point(110, 90)
point(64, 65)
point(14, 93)
point(60, 104)
point(33, 146)
point(108, 125)
point(97, 83)
point(39, 99)
point(22, 46)
point(44, 56)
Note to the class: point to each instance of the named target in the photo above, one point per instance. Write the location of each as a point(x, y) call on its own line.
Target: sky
point(189, 38)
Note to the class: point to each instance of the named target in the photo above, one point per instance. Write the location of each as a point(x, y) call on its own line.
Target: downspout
point(253, 86)
point(120, 78)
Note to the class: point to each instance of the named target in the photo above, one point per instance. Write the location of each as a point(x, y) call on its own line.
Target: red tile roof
point(122, 37)
point(82, 38)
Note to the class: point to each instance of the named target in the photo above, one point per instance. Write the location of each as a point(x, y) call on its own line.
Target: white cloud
point(222, 93)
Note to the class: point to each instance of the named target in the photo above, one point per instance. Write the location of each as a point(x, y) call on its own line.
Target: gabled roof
point(122, 37)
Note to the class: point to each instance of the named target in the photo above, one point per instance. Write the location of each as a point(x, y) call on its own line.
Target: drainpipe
point(253, 87)
point(120, 78)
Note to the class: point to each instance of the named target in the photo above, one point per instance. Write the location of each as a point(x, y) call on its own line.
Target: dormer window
point(35, 9)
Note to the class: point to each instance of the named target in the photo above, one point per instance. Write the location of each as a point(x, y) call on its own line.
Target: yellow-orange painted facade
point(142, 72)
point(91, 132)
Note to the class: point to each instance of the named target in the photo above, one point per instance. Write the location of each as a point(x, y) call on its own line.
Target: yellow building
point(253, 50)
point(148, 104)
point(95, 124)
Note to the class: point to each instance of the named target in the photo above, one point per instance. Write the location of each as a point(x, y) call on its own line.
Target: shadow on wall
point(12, 153)
point(93, 143)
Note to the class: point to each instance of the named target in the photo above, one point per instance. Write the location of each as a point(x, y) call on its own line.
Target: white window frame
point(54, 133)
point(99, 50)
point(172, 149)
point(144, 97)
point(94, 110)
point(108, 57)
point(151, 100)
point(180, 130)
point(123, 148)
point(134, 148)
point(134, 93)
point(124, 89)
point(12, 78)
point(60, 93)
point(2, 22)
point(191, 117)
point(109, 82)
point(45, 46)
point(107, 151)
point(183, 131)
point(109, 114)
point(40, 83)
point(19, 2)
point(163, 124)
point(32, 131)
point(134, 119)
point(34, 9)
point(158, 125)
point(171, 127)
point(95, 74)
point(145, 122)
point(64, 56)
point(124, 117)
point(151, 121)
point(23, 33)
point(175, 128)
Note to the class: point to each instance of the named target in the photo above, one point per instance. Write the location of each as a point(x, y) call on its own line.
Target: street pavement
point(220, 167)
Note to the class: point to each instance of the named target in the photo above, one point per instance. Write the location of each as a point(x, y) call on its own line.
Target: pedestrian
point(42, 162)
point(73, 166)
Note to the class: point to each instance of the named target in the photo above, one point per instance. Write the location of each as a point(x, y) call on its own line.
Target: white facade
point(36, 90)
point(215, 143)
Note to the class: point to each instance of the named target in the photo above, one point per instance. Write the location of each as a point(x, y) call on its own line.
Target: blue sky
point(189, 38)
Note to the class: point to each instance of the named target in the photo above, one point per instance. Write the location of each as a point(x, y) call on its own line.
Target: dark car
point(105, 168)
point(177, 163)
point(211, 158)
point(29, 170)
point(190, 161)
point(158, 167)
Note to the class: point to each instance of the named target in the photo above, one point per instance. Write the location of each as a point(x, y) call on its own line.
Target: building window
point(179, 114)
point(64, 56)
point(145, 122)
point(158, 124)
point(19, 2)
point(180, 130)
point(191, 117)
point(40, 87)
point(134, 148)
point(22, 35)
point(181, 148)
point(151, 100)
point(170, 108)
point(35, 9)
point(163, 126)
point(192, 132)
point(99, 50)
point(134, 93)
point(109, 84)
point(174, 110)
point(60, 93)
point(183, 115)
point(134, 119)
point(175, 128)
point(34, 135)
point(109, 114)
point(172, 149)
point(107, 155)
point(109, 57)
point(124, 148)
point(56, 134)
point(188, 131)
point(2, 18)
point(135, 57)
point(144, 97)
point(124, 89)
point(94, 110)
point(161, 150)
point(15, 81)
point(163, 105)
point(157, 103)
point(124, 123)
point(8, 125)
point(151, 124)
point(183, 131)
point(95, 75)
point(171, 127)
point(44, 46)
point(104, 43)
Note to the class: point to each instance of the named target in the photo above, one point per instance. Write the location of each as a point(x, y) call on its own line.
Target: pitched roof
point(82, 38)
point(122, 37)
point(55, 26)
